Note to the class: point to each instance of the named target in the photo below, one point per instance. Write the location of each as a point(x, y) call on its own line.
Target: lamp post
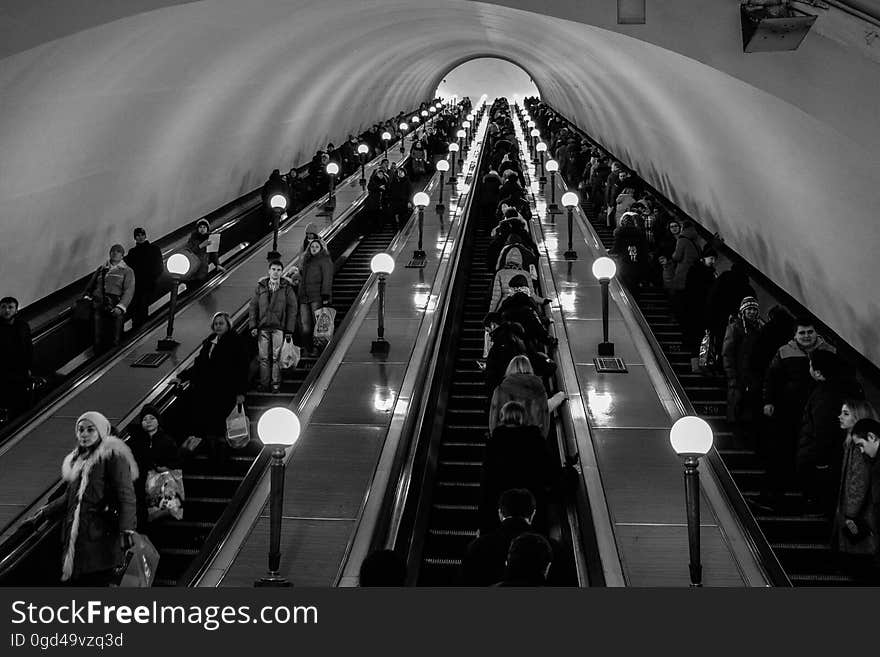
point(178, 265)
point(386, 137)
point(535, 134)
point(363, 149)
point(453, 149)
point(332, 170)
point(279, 429)
point(552, 167)
point(541, 148)
point(414, 121)
point(420, 200)
point(278, 203)
point(604, 269)
point(442, 166)
point(382, 264)
point(467, 133)
point(403, 128)
point(691, 438)
point(569, 202)
point(460, 134)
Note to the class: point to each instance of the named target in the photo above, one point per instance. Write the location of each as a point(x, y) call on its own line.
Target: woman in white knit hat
point(99, 505)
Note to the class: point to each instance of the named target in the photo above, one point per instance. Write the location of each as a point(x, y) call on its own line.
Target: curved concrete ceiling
point(154, 118)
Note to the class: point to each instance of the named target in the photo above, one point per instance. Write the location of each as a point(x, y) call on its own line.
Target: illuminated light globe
point(382, 263)
point(432, 109)
point(460, 134)
point(570, 199)
point(424, 113)
point(691, 436)
point(421, 200)
point(178, 264)
point(541, 147)
point(442, 165)
point(278, 426)
point(453, 147)
point(403, 127)
point(535, 132)
point(465, 124)
point(415, 119)
point(386, 136)
point(332, 168)
point(470, 117)
point(363, 149)
point(552, 166)
point(604, 268)
point(278, 202)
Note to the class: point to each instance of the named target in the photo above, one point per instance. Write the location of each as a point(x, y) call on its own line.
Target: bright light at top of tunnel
point(487, 75)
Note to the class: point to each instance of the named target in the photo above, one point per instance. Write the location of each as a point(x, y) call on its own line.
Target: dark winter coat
point(196, 239)
point(151, 452)
point(218, 375)
point(524, 310)
point(787, 383)
point(273, 311)
point(821, 438)
point(98, 505)
point(516, 457)
point(528, 390)
point(687, 252)
point(631, 249)
point(377, 188)
point(145, 260)
point(725, 297)
point(317, 278)
point(854, 503)
point(483, 563)
point(16, 349)
point(742, 380)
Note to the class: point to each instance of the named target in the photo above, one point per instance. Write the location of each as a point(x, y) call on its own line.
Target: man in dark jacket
point(16, 356)
point(724, 299)
point(145, 260)
point(820, 447)
point(699, 281)
point(787, 386)
point(483, 564)
point(272, 318)
point(528, 561)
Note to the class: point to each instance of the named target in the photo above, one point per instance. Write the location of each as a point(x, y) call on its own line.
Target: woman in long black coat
point(219, 378)
point(516, 457)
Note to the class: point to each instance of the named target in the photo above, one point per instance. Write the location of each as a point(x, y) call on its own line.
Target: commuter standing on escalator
point(198, 244)
point(153, 449)
point(400, 197)
point(272, 319)
point(219, 378)
point(145, 260)
point(98, 508)
point(16, 357)
point(316, 289)
point(111, 289)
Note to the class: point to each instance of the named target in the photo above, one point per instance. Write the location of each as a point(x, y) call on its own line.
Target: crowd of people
point(789, 394)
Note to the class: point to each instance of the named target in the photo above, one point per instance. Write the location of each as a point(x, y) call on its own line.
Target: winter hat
point(203, 221)
point(748, 302)
point(312, 228)
point(709, 252)
point(117, 248)
point(102, 424)
point(149, 409)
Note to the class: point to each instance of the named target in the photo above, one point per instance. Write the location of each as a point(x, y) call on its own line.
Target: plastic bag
point(139, 569)
point(238, 428)
point(324, 318)
point(165, 494)
point(290, 354)
point(708, 357)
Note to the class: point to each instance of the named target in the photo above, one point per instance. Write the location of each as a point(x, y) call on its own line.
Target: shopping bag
point(191, 444)
point(324, 318)
point(165, 494)
point(707, 357)
point(290, 354)
point(141, 560)
point(238, 428)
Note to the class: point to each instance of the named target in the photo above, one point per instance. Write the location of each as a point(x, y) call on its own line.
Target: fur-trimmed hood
point(111, 445)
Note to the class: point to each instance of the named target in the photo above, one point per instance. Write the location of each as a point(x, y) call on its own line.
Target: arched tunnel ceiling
point(156, 115)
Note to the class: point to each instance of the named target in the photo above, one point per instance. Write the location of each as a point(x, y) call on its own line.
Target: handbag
point(290, 354)
point(238, 428)
point(707, 357)
point(139, 568)
point(324, 318)
point(82, 310)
